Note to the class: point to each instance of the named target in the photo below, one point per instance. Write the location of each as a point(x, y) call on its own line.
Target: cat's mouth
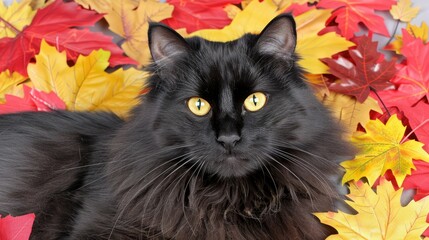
point(234, 166)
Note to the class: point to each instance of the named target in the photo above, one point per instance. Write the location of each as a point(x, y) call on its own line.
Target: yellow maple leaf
point(100, 6)
point(86, 85)
point(251, 20)
point(380, 215)
point(381, 148)
point(415, 31)
point(130, 21)
point(310, 46)
point(348, 111)
point(9, 83)
point(282, 4)
point(245, 3)
point(15, 17)
point(403, 11)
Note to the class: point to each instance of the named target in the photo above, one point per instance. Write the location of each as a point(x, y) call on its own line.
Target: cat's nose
point(229, 140)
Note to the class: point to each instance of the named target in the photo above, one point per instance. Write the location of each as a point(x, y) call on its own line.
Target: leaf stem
point(10, 26)
point(414, 130)
point(393, 34)
point(382, 102)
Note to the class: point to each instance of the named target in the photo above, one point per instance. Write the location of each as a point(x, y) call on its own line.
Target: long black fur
point(162, 174)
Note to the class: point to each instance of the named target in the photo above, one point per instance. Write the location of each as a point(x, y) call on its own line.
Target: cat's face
point(233, 108)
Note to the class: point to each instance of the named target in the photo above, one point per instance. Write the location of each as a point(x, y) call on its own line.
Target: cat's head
point(237, 107)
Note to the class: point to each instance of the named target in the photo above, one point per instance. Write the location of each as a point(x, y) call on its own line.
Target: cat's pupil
point(199, 104)
point(255, 100)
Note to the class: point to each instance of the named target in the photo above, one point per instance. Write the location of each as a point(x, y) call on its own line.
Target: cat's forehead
point(224, 65)
point(223, 72)
point(224, 54)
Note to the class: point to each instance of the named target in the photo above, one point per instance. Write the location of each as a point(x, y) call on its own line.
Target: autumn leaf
point(252, 19)
point(36, 4)
point(86, 86)
point(310, 46)
point(8, 83)
point(418, 180)
point(14, 18)
point(413, 78)
point(100, 6)
point(195, 15)
point(418, 117)
point(232, 10)
point(415, 31)
point(57, 24)
point(348, 111)
point(131, 22)
point(32, 100)
point(380, 214)
point(104, 6)
point(403, 11)
point(285, 4)
point(16, 228)
point(297, 9)
point(366, 72)
point(382, 148)
point(418, 32)
point(281, 3)
point(349, 13)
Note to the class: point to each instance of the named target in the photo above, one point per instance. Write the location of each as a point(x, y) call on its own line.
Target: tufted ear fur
point(165, 43)
point(278, 37)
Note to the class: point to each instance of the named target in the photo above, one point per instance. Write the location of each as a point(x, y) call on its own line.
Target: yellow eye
point(198, 106)
point(255, 101)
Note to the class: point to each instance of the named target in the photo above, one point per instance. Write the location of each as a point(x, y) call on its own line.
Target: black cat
point(229, 143)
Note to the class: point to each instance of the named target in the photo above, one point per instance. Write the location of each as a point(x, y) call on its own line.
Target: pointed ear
point(278, 37)
point(165, 43)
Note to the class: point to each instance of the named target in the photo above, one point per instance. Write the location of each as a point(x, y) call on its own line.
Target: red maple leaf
point(418, 116)
point(298, 9)
point(349, 13)
point(418, 180)
point(413, 78)
point(412, 85)
point(60, 24)
point(33, 100)
point(368, 71)
point(195, 15)
point(16, 228)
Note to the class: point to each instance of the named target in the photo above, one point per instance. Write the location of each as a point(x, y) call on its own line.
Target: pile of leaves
point(88, 55)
